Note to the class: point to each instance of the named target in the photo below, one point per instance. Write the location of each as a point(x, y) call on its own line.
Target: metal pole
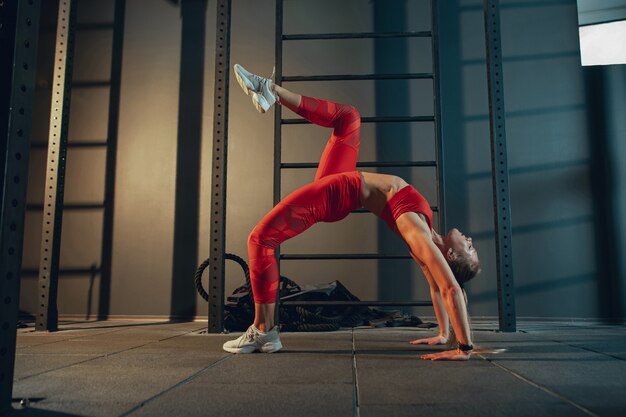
point(434, 10)
point(501, 197)
point(220, 146)
point(47, 318)
point(278, 122)
point(278, 56)
point(19, 22)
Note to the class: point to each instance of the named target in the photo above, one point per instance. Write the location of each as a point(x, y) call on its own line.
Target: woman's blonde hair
point(464, 269)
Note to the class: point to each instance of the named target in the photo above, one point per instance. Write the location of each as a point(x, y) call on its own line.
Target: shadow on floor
point(33, 412)
point(91, 325)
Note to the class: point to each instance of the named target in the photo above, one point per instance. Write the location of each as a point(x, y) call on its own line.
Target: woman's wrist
point(465, 348)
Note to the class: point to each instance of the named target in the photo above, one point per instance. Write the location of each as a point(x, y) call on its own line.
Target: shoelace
point(268, 82)
point(265, 83)
point(263, 80)
point(249, 335)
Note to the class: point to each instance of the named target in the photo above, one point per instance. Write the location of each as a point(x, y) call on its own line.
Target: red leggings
point(333, 194)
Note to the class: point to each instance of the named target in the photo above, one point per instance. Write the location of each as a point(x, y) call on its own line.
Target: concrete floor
point(120, 368)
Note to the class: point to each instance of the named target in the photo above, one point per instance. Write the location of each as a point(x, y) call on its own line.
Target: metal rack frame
point(47, 317)
point(19, 37)
point(436, 118)
point(499, 168)
point(218, 195)
point(54, 206)
point(220, 147)
point(501, 194)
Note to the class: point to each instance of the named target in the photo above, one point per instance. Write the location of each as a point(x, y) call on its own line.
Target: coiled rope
point(203, 266)
point(303, 319)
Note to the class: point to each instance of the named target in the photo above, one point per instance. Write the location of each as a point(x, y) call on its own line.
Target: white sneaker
point(259, 87)
point(254, 339)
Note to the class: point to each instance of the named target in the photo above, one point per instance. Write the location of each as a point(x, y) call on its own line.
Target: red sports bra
point(407, 199)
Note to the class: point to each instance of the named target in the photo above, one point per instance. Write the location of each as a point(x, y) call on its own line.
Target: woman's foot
point(255, 340)
point(263, 96)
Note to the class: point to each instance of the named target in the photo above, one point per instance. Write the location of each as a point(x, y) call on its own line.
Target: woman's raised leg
point(342, 150)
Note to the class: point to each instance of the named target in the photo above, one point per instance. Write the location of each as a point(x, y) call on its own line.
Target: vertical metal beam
point(501, 197)
point(47, 317)
point(278, 144)
point(220, 147)
point(434, 10)
point(277, 109)
point(19, 23)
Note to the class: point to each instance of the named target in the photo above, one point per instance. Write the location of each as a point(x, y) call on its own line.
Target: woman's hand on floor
point(436, 340)
point(448, 355)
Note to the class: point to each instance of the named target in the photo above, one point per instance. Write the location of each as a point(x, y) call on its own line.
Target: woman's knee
point(260, 238)
point(348, 123)
point(352, 113)
point(254, 237)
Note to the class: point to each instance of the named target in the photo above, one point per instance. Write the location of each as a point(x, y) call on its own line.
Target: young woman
point(447, 261)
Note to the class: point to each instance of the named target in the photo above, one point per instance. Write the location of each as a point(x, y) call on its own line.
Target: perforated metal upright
point(218, 188)
point(279, 165)
point(19, 34)
point(47, 316)
point(500, 172)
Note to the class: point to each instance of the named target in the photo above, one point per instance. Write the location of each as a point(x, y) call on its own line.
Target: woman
point(337, 190)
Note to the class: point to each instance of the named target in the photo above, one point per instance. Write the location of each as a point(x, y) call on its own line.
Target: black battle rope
point(202, 267)
point(307, 321)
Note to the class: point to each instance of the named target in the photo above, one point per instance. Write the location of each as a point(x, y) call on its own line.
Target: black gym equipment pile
point(239, 307)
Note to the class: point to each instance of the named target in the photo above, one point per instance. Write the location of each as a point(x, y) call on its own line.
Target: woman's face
point(461, 244)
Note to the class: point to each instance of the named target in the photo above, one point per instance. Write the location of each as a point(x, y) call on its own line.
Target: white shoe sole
point(245, 349)
point(260, 103)
point(266, 348)
point(272, 347)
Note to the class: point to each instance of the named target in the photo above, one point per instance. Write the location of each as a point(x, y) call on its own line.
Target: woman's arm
point(440, 312)
point(451, 294)
point(416, 234)
point(454, 302)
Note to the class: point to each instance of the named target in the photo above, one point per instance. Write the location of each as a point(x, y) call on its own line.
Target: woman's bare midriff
point(377, 190)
